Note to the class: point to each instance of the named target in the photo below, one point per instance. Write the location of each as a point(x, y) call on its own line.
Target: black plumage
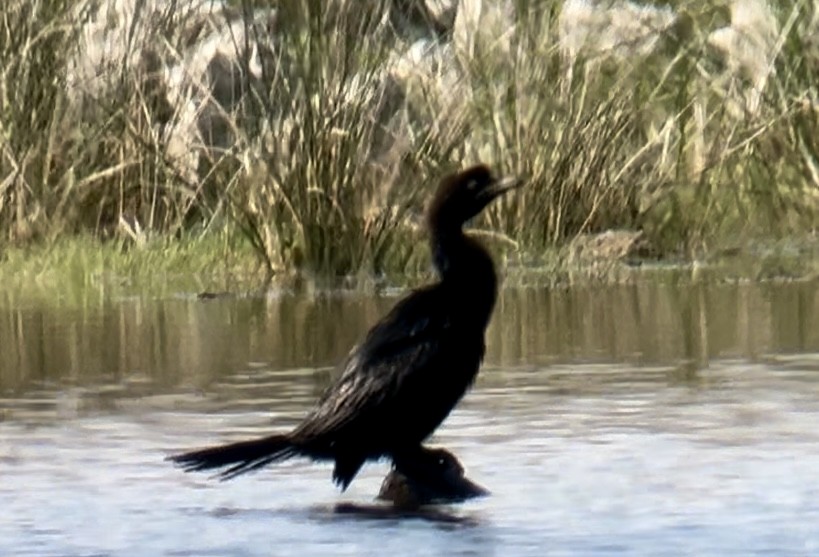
point(412, 368)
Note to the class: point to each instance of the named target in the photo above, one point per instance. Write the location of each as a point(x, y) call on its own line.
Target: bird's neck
point(467, 273)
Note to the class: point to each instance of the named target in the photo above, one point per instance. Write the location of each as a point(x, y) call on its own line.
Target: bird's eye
point(471, 185)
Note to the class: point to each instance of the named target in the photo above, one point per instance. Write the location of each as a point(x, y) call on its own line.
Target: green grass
point(323, 186)
point(79, 266)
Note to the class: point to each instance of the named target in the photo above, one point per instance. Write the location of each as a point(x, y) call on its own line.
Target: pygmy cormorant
point(412, 368)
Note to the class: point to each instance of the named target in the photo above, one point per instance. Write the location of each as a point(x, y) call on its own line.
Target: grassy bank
point(328, 180)
point(83, 272)
point(78, 266)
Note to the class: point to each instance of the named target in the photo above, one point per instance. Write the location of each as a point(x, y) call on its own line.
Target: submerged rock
point(437, 478)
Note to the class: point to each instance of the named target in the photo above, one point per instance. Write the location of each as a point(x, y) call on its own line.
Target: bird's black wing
point(402, 345)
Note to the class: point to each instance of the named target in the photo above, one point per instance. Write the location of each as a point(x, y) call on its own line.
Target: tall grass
point(649, 144)
point(335, 155)
point(327, 194)
point(66, 172)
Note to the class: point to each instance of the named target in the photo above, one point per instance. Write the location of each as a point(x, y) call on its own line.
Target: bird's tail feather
point(238, 458)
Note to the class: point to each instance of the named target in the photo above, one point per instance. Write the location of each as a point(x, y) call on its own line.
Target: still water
point(657, 418)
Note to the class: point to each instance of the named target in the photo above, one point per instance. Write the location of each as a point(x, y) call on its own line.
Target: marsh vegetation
point(697, 127)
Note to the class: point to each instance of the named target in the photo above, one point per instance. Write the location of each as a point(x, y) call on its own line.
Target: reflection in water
point(437, 515)
point(134, 344)
point(626, 420)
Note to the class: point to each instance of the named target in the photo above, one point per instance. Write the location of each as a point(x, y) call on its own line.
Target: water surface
point(658, 418)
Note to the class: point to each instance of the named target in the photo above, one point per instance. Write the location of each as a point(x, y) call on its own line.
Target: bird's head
point(463, 195)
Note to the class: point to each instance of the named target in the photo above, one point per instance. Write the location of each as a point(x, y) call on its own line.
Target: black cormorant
point(412, 368)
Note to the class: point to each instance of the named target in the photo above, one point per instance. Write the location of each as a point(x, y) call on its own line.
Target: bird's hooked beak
point(501, 186)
